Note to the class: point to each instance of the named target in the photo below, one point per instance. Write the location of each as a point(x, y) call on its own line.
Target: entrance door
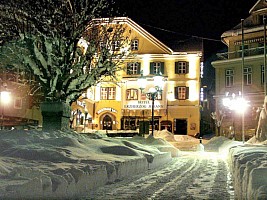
point(180, 126)
point(107, 123)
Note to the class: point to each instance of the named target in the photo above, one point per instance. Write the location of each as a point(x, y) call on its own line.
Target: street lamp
point(4, 99)
point(153, 92)
point(237, 104)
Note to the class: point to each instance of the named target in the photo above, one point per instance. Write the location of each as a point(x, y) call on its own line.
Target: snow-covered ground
point(36, 164)
point(247, 163)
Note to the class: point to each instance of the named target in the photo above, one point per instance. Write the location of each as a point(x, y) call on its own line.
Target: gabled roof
point(169, 42)
point(259, 8)
point(137, 28)
point(251, 24)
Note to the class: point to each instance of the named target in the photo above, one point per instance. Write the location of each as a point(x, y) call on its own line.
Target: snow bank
point(37, 164)
point(249, 169)
point(247, 163)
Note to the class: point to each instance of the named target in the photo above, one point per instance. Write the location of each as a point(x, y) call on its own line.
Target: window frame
point(247, 73)
point(132, 94)
point(131, 68)
point(134, 44)
point(181, 67)
point(155, 66)
point(181, 95)
point(109, 93)
point(229, 78)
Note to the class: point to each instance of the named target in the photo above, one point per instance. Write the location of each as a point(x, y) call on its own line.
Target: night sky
point(202, 18)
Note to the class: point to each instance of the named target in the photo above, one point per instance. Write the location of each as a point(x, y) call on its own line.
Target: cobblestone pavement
point(193, 175)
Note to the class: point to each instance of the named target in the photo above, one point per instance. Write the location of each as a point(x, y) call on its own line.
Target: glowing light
point(193, 91)
point(192, 65)
point(152, 90)
point(158, 81)
point(146, 63)
point(5, 97)
point(238, 104)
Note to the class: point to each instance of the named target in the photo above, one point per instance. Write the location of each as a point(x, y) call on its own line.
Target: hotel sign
point(140, 105)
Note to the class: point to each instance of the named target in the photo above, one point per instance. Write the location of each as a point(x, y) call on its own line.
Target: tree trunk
point(56, 116)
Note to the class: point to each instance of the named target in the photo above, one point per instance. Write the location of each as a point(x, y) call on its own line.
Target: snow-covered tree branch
point(54, 40)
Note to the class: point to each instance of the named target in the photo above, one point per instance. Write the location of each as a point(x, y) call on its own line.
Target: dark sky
point(203, 18)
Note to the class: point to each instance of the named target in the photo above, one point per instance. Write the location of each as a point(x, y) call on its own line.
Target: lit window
point(181, 93)
point(133, 68)
point(229, 78)
point(108, 93)
point(134, 45)
point(132, 94)
point(181, 67)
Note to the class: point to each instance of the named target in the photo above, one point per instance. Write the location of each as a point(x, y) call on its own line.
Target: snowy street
point(194, 175)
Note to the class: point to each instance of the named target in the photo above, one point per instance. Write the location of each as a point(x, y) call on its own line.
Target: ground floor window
point(132, 123)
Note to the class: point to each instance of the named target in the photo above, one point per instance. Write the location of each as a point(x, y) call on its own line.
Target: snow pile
point(164, 134)
point(249, 168)
point(37, 164)
point(220, 144)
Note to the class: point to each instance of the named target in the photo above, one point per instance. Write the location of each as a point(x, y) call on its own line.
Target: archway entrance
point(107, 122)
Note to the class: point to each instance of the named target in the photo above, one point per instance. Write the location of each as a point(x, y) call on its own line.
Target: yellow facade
point(178, 106)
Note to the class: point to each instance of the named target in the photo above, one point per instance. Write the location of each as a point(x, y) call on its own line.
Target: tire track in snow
point(191, 176)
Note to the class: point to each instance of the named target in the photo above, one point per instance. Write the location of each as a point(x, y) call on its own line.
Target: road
point(193, 175)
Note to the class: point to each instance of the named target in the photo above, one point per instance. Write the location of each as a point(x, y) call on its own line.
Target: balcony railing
point(238, 54)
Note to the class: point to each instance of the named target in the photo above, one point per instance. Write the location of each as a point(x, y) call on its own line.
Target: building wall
point(17, 111)
point(183, 115)
point(254, 58)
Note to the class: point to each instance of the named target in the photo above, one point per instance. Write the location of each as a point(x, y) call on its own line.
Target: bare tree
point(218, 119)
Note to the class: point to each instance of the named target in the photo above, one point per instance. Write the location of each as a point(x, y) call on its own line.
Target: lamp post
point(153, 92)
point(237, 104)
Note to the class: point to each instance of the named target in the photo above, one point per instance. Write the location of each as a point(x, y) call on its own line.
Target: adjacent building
point(19, 105)
point(121, 105)
point(241, 71)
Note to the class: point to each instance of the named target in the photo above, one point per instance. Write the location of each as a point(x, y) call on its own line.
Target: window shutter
point(187, 93)
point(138, 68)
point(187, 67)
point(176, 68)
point(176, 92)
point(129, 69)
point(151, 68)
point(162, 67)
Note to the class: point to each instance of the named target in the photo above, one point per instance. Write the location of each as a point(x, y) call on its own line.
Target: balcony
point(238, 54)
